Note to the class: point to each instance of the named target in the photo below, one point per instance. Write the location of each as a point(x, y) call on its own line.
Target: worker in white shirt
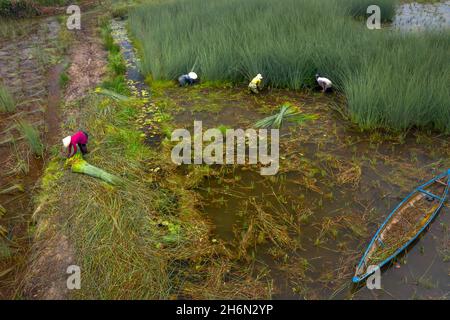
point(324, 83)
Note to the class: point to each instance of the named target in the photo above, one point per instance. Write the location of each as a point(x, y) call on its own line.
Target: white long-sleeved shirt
point(324, 82)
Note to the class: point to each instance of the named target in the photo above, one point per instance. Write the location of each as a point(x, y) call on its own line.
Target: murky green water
point(329, 218)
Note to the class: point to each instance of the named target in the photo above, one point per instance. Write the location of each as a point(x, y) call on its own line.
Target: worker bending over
point(323, 82)
point(188, 79)
point(256, 84)
point(79, 139)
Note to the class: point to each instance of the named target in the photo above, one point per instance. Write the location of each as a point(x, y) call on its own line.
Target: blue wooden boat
point(404, 225)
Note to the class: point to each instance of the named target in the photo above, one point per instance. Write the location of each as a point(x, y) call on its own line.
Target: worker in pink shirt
point(80, 138)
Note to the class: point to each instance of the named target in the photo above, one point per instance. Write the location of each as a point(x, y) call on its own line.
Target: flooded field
point(335, 186)
point(421, 16)
point(304, 229)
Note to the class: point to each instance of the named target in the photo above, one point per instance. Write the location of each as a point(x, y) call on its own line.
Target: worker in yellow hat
point(256, 84)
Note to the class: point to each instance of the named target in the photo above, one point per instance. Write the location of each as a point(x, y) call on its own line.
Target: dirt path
point(88, 61)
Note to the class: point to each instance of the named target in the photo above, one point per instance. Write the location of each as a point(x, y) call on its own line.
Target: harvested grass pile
point(285, 113)
point(79, 165)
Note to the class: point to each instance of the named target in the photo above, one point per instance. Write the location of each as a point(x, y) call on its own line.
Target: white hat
point(259, 76)
point(66, 141)
point(192, 75)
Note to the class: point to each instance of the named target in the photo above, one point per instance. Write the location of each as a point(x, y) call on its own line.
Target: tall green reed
point(391, 80)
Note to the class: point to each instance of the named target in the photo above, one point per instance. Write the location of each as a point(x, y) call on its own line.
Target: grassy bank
point(389, 78)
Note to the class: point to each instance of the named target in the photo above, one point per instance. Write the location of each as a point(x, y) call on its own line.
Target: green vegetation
point(108, 40)
point(116, 63)
point(129, 239)
point(389, 78)
point(7, 103)
point(79, 165)
point(112, 94)
point(63, 79)
point(358, 8)
point(32, 137)
point(53, 2)
point(285, 113)
point(18, 8)
point(11, 28)
point(26, 8)
point(109, 225)
point(116, 80)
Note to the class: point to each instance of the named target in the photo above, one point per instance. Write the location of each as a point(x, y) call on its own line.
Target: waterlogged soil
point(29, 69)
point(308, 225)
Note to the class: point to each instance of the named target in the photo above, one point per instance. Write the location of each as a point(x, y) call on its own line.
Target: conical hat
point(192, 75)
point(66, 141)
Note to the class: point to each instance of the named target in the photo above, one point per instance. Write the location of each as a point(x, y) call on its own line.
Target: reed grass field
point(391, 80)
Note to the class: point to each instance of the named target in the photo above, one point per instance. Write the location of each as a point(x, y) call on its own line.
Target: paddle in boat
point(405, 223)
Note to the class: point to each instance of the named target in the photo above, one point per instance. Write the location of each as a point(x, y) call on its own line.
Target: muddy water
point(135, 80)
point(134, 76)
point(306, 228)
point(330, 221)
point(421, 16)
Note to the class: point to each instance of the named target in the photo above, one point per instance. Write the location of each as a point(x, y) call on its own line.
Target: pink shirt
point(77, 138)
